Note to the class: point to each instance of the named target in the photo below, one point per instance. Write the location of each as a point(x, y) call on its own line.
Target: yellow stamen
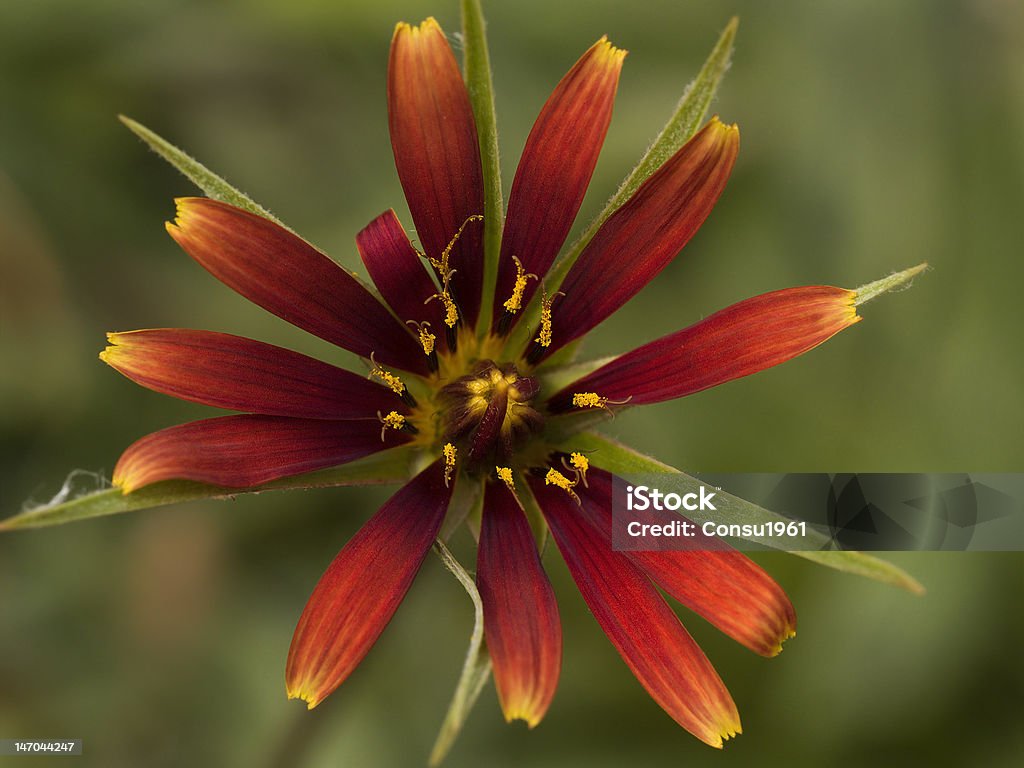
point(386, 377)
point(544, 339)
point(394, 420)
point(451, 311)
point(441, 265)
point(594, 400)
point(578, 465)
point(556, 478)
point(449, 462)
point(581, 464)
point(427, 339)
point(505, 475)
point(515, 302)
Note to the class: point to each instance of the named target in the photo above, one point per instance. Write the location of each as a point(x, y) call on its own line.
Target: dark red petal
point(433, 136)
point(287, 276)
point(242, 451)
point(244, 375)
point(721, 584)
point(739, 340)
point(396, 269)
point(521, 623)
point(556, 166)
point(638, 621)
point(361, 589)
point(645, 234)
point(398, 272)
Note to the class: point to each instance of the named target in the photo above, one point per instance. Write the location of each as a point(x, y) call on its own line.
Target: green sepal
point(619, 459)
point(390, 466)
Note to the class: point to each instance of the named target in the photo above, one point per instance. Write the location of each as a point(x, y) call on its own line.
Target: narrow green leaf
point(391, 466)
point(680, 128)
point(476, 669)
point(897, 280)
point(869, 566)
point(481, 96)
point(218, 189)
point(212, 184)
point(622, 460)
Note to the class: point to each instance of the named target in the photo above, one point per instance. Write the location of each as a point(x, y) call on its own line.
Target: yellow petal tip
point(610, 55)
point(310, 700)
point(531, 718)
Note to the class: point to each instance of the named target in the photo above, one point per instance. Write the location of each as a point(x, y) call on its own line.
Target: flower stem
point(476, 669)
point(896, 280)
point(481, 96)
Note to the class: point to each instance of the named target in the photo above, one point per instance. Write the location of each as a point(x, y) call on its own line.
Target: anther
point(451, 310)
point(578, 464)
point(594, 400)
point(441, 265)
point(449, 462)
point(391, 381)
point(397, 421)
point(514, 303)
point(451, 243)
point(505, 475)
point(427, 341)
point(544, 336)
point(557, 479)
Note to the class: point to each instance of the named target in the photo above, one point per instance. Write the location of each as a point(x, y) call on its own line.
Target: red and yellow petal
point(646, 233)
point(524, 635)
point(555, 168)
point(285, 275)
point(240, 374)
point(243, 451)
point(433, 135)
point(737, 341)
point(640, 624)
point(722, 585)
point(362, 588)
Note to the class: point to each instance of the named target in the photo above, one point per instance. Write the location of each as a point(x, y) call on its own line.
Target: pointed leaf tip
point(896, 281)
point(209, 182)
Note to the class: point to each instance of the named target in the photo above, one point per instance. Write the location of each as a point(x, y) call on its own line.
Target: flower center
point(489, 412)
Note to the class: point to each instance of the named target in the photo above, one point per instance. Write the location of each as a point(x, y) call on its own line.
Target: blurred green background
point(875, 135)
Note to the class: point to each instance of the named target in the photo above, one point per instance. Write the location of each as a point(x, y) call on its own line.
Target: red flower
point(454, 378)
